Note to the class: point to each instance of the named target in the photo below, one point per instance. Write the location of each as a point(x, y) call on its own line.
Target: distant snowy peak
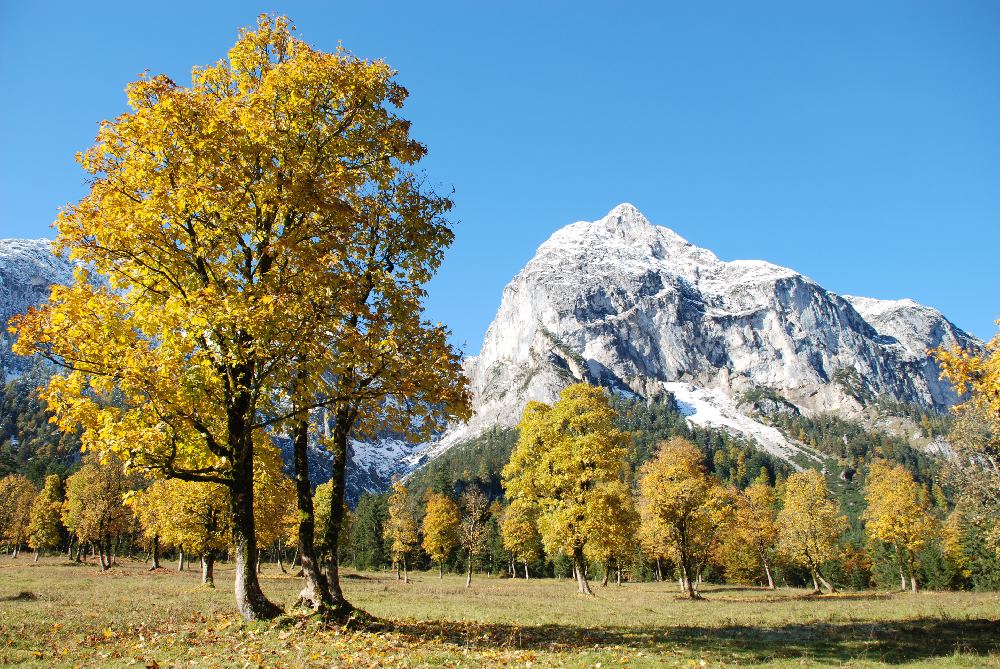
point(28, 270)
point(916, 327)
point(631, 305)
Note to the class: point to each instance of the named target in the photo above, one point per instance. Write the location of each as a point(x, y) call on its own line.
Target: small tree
point(17, 495)
point(750, 544)
point(897, 516)
point(474, 527)
point(681, 501)
point(441, 528)
point(565, 456)
point(809, 525)
point(519, 529)
point(95, 509)
point(401, 528)
point(46, 529)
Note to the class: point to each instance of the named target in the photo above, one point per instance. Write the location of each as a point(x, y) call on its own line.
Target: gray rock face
point(634, 306)
point(28, 269)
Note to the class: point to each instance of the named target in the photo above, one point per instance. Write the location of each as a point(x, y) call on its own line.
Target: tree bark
point(155, 552)
point(816, 589)
point(826, 584)
point(344, 422)
point(607, 574)
point(250, 599)
point(36, 555)
point(770, 579)
point(180, 558)
point(441, 571)
point(525, 571)
point(406, 574)
point(468, 572)
point(579, 566)
point(208, 569)
point(316, 593)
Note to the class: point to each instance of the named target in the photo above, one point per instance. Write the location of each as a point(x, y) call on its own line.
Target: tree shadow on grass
point(893, 642)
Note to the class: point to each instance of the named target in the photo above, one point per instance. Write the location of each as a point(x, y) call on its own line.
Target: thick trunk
point(316, 593)
point(36, 555)
point(155, 551)
point(525, 571)
point(399, 574)
point(902, 574)
point(69, 548)
point(658, 574)
point(607, 575)
point(17, 549)
point(341, 432)
point(180, 558)
point(440, 571)
point(688, 581)
point(618, 576)
point(208, 569)
point(913, 577)
point(580, 567)
point(250, 599)
point(815, 582)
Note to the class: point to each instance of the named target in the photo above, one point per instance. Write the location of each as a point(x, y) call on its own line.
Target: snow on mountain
point(634, 306)
point(28, 269)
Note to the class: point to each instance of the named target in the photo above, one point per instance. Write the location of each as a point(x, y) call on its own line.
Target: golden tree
point(565, 457)
point(187, 515)
point(95, 509)
point(974, 470)
point(440, 527)
point(613, 547)
point(680, 501)
point(401, 528)
point(896, 515)
point(17, 495)
point(750, 543)
point(519, 531)
point(45, 530)
point(809, 525)
point(233, 220)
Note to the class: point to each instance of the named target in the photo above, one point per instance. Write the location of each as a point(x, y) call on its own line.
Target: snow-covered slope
point(622, 302)
point(28, 269)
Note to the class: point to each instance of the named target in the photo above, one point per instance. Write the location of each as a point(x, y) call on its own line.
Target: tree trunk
point(618, 576)
point(658, 573)
point(399, 574)
point(344, 418)
point(69, 548)
point(770, 579)
point(180, 558)
point(607, 574)
point(250, 599)
point(17, 549)
point(155, 553)
point(583, 587)
point(441, 570)
point(913, 577)
point(468, 572)
point(902, 574)
point(36, 555)
point(525, 571)
point(208, 569)
point(316, 593)
point(826, 584)
point(406, 574)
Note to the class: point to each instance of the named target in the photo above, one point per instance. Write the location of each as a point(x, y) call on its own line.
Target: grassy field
point(57, 614)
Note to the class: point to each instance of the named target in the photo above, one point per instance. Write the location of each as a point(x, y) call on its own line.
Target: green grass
point(56, 614)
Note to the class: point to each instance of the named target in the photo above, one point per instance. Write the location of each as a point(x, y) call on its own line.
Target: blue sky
point(857, 142)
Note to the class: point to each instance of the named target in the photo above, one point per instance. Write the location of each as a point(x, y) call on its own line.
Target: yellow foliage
point(809, 523)
point(440, 526)
point(565, 459)
point(45, 528)
point(17, 496)
point(896, 514)
point(401, 526)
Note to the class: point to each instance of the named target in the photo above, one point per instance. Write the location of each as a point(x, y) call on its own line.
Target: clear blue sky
point(857, 142)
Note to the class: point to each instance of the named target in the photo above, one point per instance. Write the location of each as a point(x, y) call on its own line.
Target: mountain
point(28, 269)
point(637, 308)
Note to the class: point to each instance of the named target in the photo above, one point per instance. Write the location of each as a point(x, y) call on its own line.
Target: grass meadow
point(58, 614)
